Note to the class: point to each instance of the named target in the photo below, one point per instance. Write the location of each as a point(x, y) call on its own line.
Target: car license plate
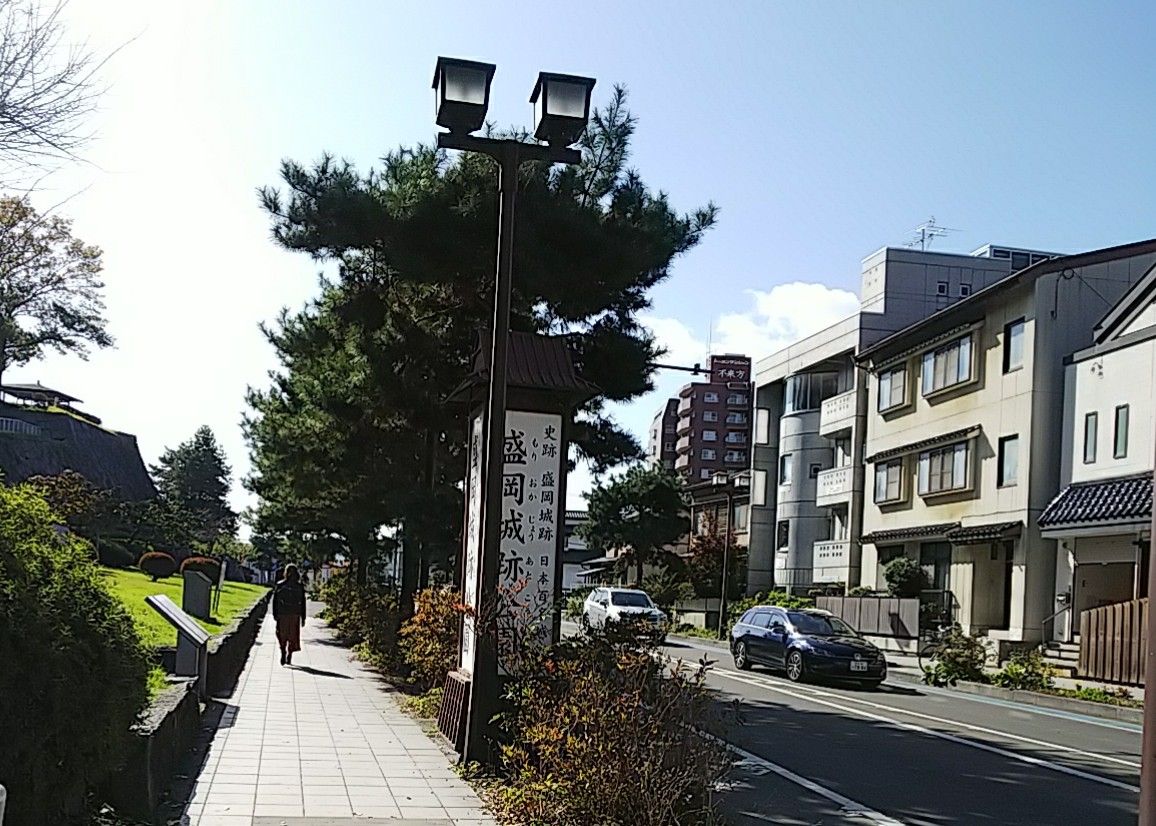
point(858, 665)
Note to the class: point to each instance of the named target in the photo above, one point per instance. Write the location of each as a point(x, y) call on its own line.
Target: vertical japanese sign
point(530, 519)
point(473, 549)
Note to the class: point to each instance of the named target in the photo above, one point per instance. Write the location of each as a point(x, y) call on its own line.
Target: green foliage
point(425, 706)
point(667, 587)
point(203, 565)
point(695, 631)
point(194, 477)
point(641, 513)
point(354, 434)
point(860, 591)
point(366, 617)
point(1118, 696)
point(1025, 671)
point(113, 554)
point(782, 599)
point(157, 565)
point(429, 639)
point(958, 656)
point(602, 731)
point(74, 675)
point(51, 297)
point(905, 577)
point(576, 602)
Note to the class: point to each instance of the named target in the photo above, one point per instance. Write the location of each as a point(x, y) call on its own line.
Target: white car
point(616, 604)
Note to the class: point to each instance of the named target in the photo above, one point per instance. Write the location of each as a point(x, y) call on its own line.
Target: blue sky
point(822, 130)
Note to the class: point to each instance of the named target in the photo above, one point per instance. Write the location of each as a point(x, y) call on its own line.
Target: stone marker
point(197, 597)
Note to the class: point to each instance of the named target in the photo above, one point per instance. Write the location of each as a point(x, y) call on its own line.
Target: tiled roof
point(1123, 499)
point(534, 361)
point(918, 532)
point(942, 439)
point(973, 534)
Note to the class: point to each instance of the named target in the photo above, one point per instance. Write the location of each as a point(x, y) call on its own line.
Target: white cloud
point(778, 318)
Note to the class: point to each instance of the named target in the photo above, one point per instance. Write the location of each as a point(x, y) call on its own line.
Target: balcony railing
point(837, 414)
point(830, 559)
point(834, 486)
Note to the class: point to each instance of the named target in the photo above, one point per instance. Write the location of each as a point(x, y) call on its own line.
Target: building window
point(706, 453)
point(807, 391)
point(947, 366)
point(736, 418)
point(1091, 420)
point(709, 436)
point(705, 473)
point(737, 438)
point(759, 488)
point(1013, 345)
point(710, 397)
point(710, 415)
point(785, 465)
point(842, 452)
point(783, 534)
point(668, 447)
point(668, 428)
point(737, 398)
point(941, 288)
point(1120, 443)
point(815, 470)
point(735, 456)
point(964, 290)
point(763, 426)
point(1009, 460)
point(893, 388)
point(741, 514)
point(943, 469)
point(889, 481)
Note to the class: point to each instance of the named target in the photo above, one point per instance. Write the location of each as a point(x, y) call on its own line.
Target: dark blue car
point(806, 644)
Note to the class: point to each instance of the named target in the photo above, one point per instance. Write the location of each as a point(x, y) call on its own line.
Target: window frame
point(927, 375)
point(926, 469)
point(886, 466)
point(782, 534)
point(762, 426)
point(710, 415)
point(710, 397)
point(1118, 451)
point(758, 488)
point(1002, 456)
point(814, 469)
point(786, 470)
point(710, 435)
point(1009, 330)
point(702, 454)
point(889, 374)
point(1091, 428)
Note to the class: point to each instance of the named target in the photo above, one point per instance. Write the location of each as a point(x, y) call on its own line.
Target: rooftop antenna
point(927, 232)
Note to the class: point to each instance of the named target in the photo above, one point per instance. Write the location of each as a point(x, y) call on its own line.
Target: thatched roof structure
point(46, 441)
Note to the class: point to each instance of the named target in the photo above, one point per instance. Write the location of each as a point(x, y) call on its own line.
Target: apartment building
point(1101, 519)
point(660, 447)
point(714, 421)
point(964, 433)
point(810, 408)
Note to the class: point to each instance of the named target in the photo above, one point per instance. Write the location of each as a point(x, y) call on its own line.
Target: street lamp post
point(561, 111)
point(732, 483)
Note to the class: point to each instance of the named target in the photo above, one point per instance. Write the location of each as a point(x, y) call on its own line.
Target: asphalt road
point(907, 754)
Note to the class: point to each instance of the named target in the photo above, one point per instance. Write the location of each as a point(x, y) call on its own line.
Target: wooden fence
point(882, 616)
point(1113, 641)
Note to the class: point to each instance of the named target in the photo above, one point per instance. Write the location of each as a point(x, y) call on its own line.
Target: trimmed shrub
point(782, 599)
point(860, 591)
point(429, 640)
point(203, 565)
point(366, 617)
point(959, 657)
point(1026, 671)
point(113, 554)
point(74, 674)
point(905, 577)
point(602, 731)
point(158, 565)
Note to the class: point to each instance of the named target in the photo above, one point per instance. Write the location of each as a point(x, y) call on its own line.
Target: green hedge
point(73, 673)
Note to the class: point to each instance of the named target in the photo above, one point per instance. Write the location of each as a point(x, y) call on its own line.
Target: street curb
point(1033, 698)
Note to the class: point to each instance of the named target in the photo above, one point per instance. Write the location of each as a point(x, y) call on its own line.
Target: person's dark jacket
point(288, 599)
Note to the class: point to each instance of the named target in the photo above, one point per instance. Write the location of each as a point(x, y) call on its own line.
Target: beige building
point(964, 435)
point(1101, 519)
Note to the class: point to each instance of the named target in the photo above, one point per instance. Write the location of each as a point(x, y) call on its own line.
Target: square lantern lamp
point(561, 107)
point(462, 90)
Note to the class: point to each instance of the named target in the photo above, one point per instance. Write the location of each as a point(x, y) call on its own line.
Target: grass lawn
point(132, 586)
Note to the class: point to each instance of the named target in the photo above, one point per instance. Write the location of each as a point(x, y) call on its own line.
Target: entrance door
point(1098, 585)
point(935, 557)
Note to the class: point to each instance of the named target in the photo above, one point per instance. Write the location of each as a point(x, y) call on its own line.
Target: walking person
point(289, 613)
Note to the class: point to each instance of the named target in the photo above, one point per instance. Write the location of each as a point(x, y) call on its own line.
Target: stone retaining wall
point(171, 724)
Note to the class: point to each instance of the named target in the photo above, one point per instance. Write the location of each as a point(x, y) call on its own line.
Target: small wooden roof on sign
point(535, 362)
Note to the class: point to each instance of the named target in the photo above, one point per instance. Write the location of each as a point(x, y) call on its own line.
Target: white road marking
point(1022, 758)
point(850, 808)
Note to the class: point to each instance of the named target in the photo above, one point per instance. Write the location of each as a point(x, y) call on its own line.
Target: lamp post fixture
point(730, 483)
point(561, 110)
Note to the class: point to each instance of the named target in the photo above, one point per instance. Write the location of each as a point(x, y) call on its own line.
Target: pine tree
point(194, 478)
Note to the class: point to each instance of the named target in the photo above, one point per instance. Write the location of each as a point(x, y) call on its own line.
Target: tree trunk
point(410, 575)
point(361, 546)
point(638, 573)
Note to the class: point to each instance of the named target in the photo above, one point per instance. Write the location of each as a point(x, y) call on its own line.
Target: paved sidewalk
point(322, 743)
